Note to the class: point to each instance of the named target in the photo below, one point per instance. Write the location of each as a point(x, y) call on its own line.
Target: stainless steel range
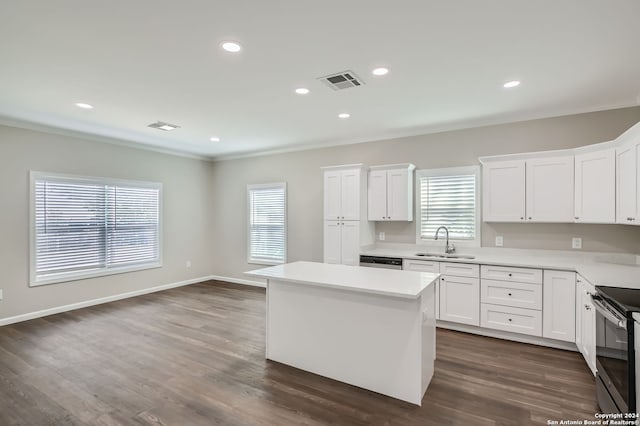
point(615, 352)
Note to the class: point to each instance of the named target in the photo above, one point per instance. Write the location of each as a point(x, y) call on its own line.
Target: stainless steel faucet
point(449, 248)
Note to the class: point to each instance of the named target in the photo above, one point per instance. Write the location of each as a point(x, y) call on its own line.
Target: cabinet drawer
point(460, 269)
point(507, 273)
point(518, 295)
point(506, 318)
point(421, 265)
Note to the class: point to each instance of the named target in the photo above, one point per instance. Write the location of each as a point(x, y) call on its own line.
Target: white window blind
point(87, 227)
point(448, 200)
point(267, 223)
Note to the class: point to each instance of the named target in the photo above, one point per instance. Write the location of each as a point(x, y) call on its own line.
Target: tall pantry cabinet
point(346, 227)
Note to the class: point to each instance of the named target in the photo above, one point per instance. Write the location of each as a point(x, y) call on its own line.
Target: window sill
point(265, 262)
point(76, 276)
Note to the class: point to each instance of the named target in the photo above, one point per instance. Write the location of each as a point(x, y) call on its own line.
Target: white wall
point(205, 202)
point(188, 206)
point(301, 170)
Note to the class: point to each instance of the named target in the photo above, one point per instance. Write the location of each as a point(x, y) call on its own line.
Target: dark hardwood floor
point(195, 356)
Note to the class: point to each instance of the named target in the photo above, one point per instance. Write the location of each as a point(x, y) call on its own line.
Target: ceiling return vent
point(342, 80)
point(163, 126)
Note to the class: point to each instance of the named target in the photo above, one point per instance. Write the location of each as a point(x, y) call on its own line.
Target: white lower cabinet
point(342, 242)
point(559, 305)
point(517, 295)
point(586, 322)
point(425, 266)
point(460, 296)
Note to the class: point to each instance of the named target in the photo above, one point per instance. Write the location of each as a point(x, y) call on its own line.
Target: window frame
point(34, 281)
point(250, 187)
point(450, 171)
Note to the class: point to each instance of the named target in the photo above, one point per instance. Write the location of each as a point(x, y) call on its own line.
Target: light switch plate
point(576, 243)
point(381, 236)
point(188, 264)
point(499, 241)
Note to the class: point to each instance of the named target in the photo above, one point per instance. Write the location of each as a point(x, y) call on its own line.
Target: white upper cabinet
point(528, 190)
point(377, 195)
point(627, 160)
point(391, 193)
point(503, 191)
point(342, 194)
point(595, 186)
point(549, 189)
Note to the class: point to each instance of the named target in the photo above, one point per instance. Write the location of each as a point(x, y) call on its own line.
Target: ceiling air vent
point(342, 80)
point(163, 126)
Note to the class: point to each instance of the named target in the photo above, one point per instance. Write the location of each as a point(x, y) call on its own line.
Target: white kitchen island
point(372, 328)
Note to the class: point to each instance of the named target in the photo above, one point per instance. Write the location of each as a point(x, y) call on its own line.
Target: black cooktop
point(627, 300)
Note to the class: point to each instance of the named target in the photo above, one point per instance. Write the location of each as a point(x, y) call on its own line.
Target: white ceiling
point(146, 60)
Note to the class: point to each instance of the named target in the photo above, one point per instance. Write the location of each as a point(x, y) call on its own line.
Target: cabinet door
point(595, 187)
point(377, 195)
point(626, 184)
point(398, 200)
point(350, 242)
point(350, 195)
point(559, 305)
point(460, 299)
point(550, 189)
point(332, 241)
point(332, 195)
point(425, 266)
point(503, 189)
point(579, 315)
point(588, 329)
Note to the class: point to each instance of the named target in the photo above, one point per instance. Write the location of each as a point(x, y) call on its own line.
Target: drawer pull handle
point(509, 319)
point(510, 274)
point(509, 294)
point(587, 307)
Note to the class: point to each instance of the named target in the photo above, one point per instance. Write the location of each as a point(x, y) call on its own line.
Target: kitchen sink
point(446, 256)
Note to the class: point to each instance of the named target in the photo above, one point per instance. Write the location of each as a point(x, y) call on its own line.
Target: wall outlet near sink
point(576, 243)
point(499, 241)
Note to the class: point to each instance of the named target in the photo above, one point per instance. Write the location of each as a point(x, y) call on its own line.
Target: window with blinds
point(267, 233)
point(84, 227)
point(448, 197)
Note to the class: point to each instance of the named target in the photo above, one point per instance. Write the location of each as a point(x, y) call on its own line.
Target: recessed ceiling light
point(84, 106)
point(510, 84)
point(344, 115)
point(302, 91)
point(214, 139)
point(380, 71)
point(231, 46)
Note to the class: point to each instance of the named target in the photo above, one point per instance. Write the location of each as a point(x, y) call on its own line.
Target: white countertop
point(597, 268)
point(386, 282)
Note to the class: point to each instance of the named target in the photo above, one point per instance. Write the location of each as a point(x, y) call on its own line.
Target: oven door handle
point(610, 316)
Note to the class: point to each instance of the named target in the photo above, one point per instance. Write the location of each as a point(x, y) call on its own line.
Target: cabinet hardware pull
point(521, 218)
point(509, 319)
point(587, 307)
point(529, 217)
point(576, 217)
point(509, 294)
point(509, 274)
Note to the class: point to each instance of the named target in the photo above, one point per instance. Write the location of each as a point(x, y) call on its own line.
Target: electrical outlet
point(576, 243)
point(188, 264)
point(499, 241)
point(381, 236)
point(1, 295)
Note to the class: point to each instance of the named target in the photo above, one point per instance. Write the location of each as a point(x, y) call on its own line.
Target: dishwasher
point(381, 262)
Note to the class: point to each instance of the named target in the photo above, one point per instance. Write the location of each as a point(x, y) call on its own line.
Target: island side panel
point(428, 335)
point(370, 341)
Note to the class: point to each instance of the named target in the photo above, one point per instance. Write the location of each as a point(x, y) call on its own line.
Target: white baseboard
point(93, 302)
point(238, 281)
point(505, 335)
